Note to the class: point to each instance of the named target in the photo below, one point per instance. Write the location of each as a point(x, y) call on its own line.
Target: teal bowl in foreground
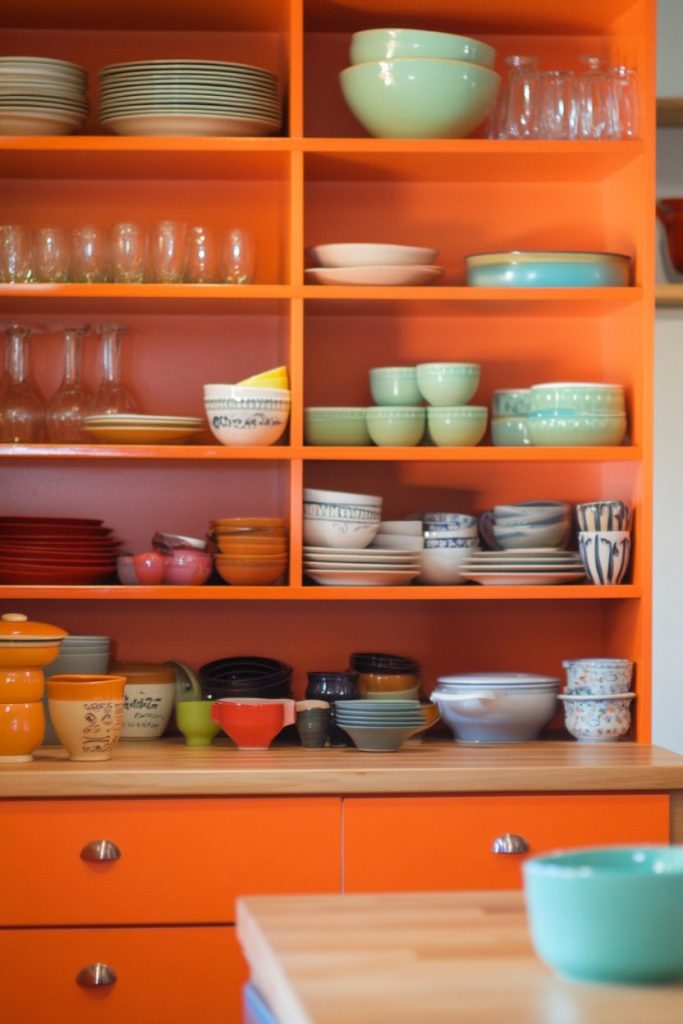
point(509, 431)
point(419, 98)
point(574, 429)
point(608, 914)
point(548, 270)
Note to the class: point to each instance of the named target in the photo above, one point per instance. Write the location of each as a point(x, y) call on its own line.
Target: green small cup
point(193, 718)
point(460, 426)
point(394, 385)
point(397, 425)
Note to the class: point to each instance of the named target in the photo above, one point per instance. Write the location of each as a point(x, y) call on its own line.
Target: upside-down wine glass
point(72, 401)
point(22, 409)
point(113, 395)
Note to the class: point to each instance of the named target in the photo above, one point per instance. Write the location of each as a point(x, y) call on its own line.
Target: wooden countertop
point(434, 958)
point(169, 768)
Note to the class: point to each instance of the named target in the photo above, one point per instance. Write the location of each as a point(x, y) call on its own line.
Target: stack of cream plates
point(372, 263)
point(134, 428)
point(189, 97)
point(360, 567)
point(524, 567)
point(42, 96)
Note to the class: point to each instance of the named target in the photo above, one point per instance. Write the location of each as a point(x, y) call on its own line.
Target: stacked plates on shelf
point(361, 567)
point(51, 550)
point(42, 96)
point(524, 567)
point(381, 725)
point(372, 263)
point(189, 97)
point(135, 428)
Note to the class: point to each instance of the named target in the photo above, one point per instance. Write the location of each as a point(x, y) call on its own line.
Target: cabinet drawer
point(174, 975)
point(182, 860)
point(432, 843)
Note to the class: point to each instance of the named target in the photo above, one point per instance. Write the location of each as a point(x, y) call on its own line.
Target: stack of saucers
point(524, 567)
point(360, 567)
point(135, 428)
point(42, 96)
point(372, 264)
point(189, 97)
point(384, 724)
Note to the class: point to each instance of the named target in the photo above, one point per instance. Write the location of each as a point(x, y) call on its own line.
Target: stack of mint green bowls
point(408, 83)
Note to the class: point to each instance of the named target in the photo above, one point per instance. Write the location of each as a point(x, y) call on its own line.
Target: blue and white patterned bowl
point(605, 555)
point(598, 676)
point(597, 719)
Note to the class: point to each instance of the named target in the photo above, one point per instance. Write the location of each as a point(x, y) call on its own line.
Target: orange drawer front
point(174, 975)
point(181, 860)
point(432, 843)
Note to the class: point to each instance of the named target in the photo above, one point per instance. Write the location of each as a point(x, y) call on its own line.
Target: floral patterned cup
point(596, 719)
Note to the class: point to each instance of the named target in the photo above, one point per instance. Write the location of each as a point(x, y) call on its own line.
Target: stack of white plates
point(524, 567)
point(135, 428)
point(372, 263)
point(42, 96)
point(360, 567)
point(189, 97)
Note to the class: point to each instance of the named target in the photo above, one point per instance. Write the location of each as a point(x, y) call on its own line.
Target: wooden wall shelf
point(669, 295)
point(670, 112)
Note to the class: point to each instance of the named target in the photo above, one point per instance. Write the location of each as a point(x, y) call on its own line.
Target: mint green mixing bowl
point(420, 98)
point(385, 43)
point(608, 914)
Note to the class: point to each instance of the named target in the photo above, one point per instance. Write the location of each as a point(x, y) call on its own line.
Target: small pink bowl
point(185, 567)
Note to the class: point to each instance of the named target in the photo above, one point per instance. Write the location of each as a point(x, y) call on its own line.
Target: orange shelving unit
point(324, 180)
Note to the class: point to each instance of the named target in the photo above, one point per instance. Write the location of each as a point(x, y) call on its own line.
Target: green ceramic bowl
point(420, 98)
point(397, 425)
point(335, 425)
point(394, 385)
point(385, 43)
point(576, 429)
point(460, 426)
point(577, 397)
point(509, 431)
point(448, 383)
point(608, 914)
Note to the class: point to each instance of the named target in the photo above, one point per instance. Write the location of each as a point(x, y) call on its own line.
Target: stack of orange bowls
point(250, 551)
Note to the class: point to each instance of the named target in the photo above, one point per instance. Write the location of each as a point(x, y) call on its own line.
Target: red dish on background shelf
point(39, 575)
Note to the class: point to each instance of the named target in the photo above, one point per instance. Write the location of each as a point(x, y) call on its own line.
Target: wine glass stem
point(72, 358)
point(111, 357)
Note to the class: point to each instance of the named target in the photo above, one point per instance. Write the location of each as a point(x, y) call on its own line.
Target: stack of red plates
point(50, 550)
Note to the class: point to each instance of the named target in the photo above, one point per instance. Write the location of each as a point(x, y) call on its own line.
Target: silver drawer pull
point(100, 849)
point(96, 975)
point(510, 843)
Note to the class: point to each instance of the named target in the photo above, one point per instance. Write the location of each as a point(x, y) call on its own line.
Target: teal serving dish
point(554, 269)
point(608, 914)
point(566, 429)
point(509, 431)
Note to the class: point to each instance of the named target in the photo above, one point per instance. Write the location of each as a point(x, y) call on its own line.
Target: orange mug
point(253, 722)
point(87, 714)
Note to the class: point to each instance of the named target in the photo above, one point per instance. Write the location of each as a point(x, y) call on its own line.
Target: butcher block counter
point(430, 958)
point(169, 768)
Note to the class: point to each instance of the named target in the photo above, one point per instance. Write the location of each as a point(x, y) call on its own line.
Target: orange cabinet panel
point(432, 843)
point(182, 860)
point(174, 975)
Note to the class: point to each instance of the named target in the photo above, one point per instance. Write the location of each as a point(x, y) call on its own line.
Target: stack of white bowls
point(340, 519)
point(496, 707)
point(239, 414)
point(449, 537)
point(79, 655)
point(189, 97)
point(42, 96)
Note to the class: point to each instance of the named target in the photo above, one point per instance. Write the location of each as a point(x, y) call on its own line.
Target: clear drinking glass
point(624, 82)
point(559, 105)
point(90, 254)
point(51, 254)
point(169, 251)
point(128, 253)
point(202, 256)
point(596, 100)
point(72, 401)
point(238, 256)
point(113, 395)
point(15, 253)
point(22, 411)
point(517, 112)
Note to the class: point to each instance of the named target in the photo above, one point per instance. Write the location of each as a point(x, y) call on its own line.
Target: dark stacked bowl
point(245, 677)
point(389, 664)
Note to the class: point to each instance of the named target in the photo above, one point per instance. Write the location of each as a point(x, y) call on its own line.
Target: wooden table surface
point(169, 768)
point(415, 958)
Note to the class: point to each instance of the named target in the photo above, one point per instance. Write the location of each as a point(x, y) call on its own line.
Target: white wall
point(668, 426)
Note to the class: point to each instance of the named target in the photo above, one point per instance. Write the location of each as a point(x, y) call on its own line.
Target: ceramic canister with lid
point(149, 696)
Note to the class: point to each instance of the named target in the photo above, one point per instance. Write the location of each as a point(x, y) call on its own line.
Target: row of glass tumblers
point(597, 102)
